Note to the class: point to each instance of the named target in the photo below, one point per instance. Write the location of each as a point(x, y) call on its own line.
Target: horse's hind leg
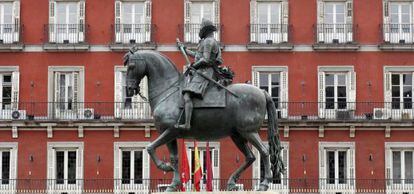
point(241, 143)
point(255, 140)
point(176, 182)
point(166, 137)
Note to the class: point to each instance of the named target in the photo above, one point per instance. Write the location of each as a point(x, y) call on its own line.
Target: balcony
point(190, 32)
point(133, 35)
point(10, 37)
point(66, 37)
point(269, 37)
point(148, 186)
point(334, 37)
point(397, 37)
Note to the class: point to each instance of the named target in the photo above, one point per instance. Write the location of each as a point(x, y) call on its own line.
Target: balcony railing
point(191, 31)
point(148, 186)
point(398, 33)
point(287, 111)
point(269, 33)
point(65, 33)
point(10, 33)
point(335, 33)
point(133, 33)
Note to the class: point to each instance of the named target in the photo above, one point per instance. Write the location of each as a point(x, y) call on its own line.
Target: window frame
point(12, 148)
point(390, 147)
point(336, 86)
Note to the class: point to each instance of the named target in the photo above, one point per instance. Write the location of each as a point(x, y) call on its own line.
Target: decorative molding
point(286, 131)
point(9, 68)
point(399, 145)
point(116, 131)
point(324, 145)
point(270, 68)
point(49, 129)
point(80, 131)
point(388, 131)
point(352, 131)
point(321, 131)
point(335, 68)
point(398, 68)
point(14, 132)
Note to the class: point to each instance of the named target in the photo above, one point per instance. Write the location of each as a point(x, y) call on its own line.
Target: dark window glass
point(60, 158)
point(329, 79)
point(408, 167)
point(342, 91)
point(395, 91)
point(264, 81)
point(72, 167)
point(395, 79)
point(407, 79)
point(342, 103)
point(342, 166)
point(331, 167)
point(396, 167)
point(5, 166)
point(126, 167)
point(138, 167)
point(329, 91)
point(330, 103)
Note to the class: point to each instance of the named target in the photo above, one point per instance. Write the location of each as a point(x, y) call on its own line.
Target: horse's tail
point(273, 136)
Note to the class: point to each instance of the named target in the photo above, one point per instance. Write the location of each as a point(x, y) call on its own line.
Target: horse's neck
point(161, 77)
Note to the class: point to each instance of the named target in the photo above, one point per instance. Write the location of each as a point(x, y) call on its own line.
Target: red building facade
point(340, 72)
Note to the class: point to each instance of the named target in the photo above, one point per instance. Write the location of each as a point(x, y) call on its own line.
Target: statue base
point(222, 192)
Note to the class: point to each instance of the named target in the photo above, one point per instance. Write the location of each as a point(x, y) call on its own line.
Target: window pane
point(395, 103)
point(342, 166)
point(126, 13)
point(342, 104)
point(331, 167)
point(407, 79)
point(342, 80)
point(274, 13)
point(139, 13)
point(395, 79)
point(329, 91)
point(329, 79)
point(5, 167)
point(396, 166)
point(342, 91)
point(60, 167)
point(330, 103)
point(408, 167)
point(407, 92)
point(138, 167)
point(126, 167)
point(264, 81)
point(71, 167)
point(395, 91)
point(394, 8)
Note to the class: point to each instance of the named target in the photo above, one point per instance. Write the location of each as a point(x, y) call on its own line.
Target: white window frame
point(336, 85)
point(143, 35)
point(140, 108)
point(120, 188)
point(12, 147)
point(191, 29)
point(389, 112)
point(342, 32)
point(400, 35)
point(53, 110)
point(283, 187)
point(392, 187)
point(69, 36)
point(274, 32)
point(52, 186)
point(12, 36)
point(350, 87)
point(215, 159)
point(15, 95)
point(284, 86)
point(348, 187)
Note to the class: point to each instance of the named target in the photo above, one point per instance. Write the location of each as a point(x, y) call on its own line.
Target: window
point(8, 166)
point(398, 22)
point(399, 166)
point(65, 166)
point(131, 165)
point(398, 90)
point(402, 89)
point(279, 181)
point(9, 21)
point(274, 80)
point(130, 107)
point(195, 11)
point(132, 21)
point(337, 92)
point(214, 155)
point(66, 21)
point(335, 21)
point(337, 166)
point(66, 90)
point(9, 91)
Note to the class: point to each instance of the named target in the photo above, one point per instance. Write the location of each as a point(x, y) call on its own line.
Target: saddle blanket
point(213, 98)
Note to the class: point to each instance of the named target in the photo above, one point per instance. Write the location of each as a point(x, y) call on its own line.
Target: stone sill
point(335, 47)
point(126, 47)
point(396, 47)
point(66, 47)
point(16, 47)
point(269, 47)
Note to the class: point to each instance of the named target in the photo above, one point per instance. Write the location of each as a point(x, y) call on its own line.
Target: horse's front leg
point(176, 182)
point(166, 137)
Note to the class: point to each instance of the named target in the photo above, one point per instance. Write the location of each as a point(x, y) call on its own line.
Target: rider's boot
point(188, 109)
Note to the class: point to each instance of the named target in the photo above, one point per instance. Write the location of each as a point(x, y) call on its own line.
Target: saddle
point(214, 97)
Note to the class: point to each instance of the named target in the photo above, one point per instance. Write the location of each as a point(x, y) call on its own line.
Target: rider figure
point(207, 59)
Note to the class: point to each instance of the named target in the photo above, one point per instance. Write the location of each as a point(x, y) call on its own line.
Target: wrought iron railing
point(191, 32)
point(133, 33)
point(10, 33)
point(66, 33)
point(269, 33)
point(335, 33)
point(398, 33)
point(147, 186)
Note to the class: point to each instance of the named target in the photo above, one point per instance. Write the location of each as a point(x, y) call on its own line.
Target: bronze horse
point(241, 119)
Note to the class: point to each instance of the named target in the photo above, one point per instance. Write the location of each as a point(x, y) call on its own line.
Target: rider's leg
point(188, 109)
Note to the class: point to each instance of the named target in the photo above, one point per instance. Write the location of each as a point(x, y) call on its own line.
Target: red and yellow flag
point(198, 173)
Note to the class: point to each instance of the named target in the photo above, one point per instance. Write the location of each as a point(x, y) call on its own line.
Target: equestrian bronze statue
point(237, 111)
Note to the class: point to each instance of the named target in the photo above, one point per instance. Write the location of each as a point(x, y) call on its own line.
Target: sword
point(201, 74)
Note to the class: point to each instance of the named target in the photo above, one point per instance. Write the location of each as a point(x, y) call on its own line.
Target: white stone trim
point(12, 147)
point(51, 148)
point(342, 68)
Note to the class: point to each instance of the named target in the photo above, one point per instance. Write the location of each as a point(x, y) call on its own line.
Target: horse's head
point(136, 70)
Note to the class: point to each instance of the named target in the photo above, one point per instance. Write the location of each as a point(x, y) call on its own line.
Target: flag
point(185, 169)
point(198, 173)
point(209, 183)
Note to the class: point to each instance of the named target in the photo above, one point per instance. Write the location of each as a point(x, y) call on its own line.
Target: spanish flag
point(198, 173)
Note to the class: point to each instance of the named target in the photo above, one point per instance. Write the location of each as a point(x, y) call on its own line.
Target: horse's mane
point(158, 55)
